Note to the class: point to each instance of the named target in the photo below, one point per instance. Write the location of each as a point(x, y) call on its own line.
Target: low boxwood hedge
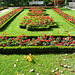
point(37, 49)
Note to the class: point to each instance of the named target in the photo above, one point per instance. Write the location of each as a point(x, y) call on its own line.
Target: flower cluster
point(4, 18)
point(42, 40)
point(37, 21)
point(66, 16)
point(37, 11)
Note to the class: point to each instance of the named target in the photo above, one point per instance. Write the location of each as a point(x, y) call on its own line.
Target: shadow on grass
point(37, 51)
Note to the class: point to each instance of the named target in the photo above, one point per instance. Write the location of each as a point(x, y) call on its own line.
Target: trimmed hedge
point(37, 49)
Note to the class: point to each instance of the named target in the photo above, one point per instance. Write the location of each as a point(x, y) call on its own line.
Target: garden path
point(5, 10)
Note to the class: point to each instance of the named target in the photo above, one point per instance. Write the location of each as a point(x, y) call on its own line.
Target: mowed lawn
point(64, 28)
point(43, 64)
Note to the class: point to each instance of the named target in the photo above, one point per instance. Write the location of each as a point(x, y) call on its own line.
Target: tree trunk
point(66, 2)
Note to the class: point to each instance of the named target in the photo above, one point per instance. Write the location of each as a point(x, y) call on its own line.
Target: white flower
point(56, 68)
point(61, 74)
point(64, 59)
point(68, 66)
point(64, 65)
point(22, 74)
point(60, 71)
point(53, 70)
point(17, 60)
point(14, 65)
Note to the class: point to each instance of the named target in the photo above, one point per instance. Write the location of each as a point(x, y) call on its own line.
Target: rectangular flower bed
point(37, 11)
point(6, 18)
point(70, 19)
point(41, 42)
point(37, 22)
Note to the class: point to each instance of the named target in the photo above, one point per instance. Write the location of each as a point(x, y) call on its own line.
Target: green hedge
point(37, 49)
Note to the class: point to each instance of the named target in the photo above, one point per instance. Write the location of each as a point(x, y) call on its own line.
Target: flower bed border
point(11, 18)
point(64, 19)
point(37, 49)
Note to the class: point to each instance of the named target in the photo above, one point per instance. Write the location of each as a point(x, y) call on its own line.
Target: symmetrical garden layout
point(37, 27)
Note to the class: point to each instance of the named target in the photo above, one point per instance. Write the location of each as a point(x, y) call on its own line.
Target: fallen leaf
point(14, 65)
point(56, 73)
point(31, 70)
point(17, 60)
point(71, 70)
point(40, 71)
point(70, 56)
point(53, 71)
point(37, 74)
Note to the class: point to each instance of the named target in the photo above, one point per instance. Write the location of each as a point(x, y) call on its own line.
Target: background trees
point(26, 2)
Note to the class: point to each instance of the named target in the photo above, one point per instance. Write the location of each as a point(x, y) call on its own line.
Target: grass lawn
point(12, 28)
point(43, 64)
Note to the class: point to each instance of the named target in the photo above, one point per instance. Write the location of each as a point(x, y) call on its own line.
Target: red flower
point(53, 42)
point(0, 36)
point(12, 38)
point(10, 41)
point(33, 43)
point(20, 42)
point(74, 22)
point(3, 45)
point(68, 34)
point(73, 42)
point(44, 34)
point(53, 38)
point(47, 41)
point(6, 37)
point(63, 38)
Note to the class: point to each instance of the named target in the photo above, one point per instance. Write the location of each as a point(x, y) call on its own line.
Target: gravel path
point(69, 8)
point(5, 10)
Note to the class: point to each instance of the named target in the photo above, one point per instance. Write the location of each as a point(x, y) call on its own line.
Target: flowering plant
point(33, 22)
point(6, 17)
point(42, 40)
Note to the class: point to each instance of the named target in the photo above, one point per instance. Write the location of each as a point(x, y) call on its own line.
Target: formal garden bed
point(37, 23)
point(24, 34)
